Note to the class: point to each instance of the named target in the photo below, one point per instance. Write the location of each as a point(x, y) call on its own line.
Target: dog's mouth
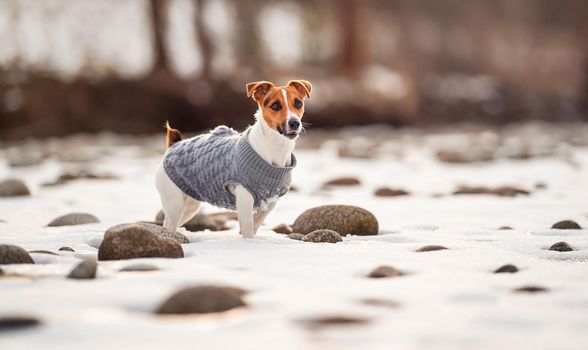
point(291, 134)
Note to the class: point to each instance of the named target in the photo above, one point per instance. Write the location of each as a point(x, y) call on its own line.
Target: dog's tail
point(172, 135)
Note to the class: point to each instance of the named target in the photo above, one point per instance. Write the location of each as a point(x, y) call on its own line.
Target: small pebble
point(42, 252)
point(343, 181)
point(66, 249)
point(507, 269)
point(430, 248)
point(202, 300)
point(74, 219)
point(335, 320)
point(139, 268)
point(385, 271)
point(323, 236)
point(380, 302)
point(530, 289)
point(9, 323)
point(389, 192)
point(505, 228)
point(566, 225)
point(13, 188)
point(297, 236)
point(561, 247)
point(283, 229)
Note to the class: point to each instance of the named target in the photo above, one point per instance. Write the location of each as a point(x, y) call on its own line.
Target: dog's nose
point(293, 123)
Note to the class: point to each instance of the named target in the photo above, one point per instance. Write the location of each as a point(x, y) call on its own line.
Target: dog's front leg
point(244, 202)
point(261, 214)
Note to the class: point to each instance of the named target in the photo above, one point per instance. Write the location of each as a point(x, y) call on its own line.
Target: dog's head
point(282, 107)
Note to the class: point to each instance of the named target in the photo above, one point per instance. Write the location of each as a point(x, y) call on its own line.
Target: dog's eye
point(298, 103)
point(276, 107)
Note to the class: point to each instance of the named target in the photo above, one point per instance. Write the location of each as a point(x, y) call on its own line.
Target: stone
point(135, 241)
point(561, 247)
point(505, 228)
point(385, 271)
point(502, 191)
point(9, 323)
point(380, 302)
point(66, 249)
point(507, 269)
point(11, 254)
point(13, 188)
point(334, 320)
point(343, 181)
point(344, 219)
point(389, 192)
point(323, 236)
point(430, 248)
point(296, 236)
point(139, 268)
point(203, 300)
point(283, 229)
point(163, 232)
point(566, 225)
point(74, 219)
point(531, 289)
point(40, 251)
point(84, 270)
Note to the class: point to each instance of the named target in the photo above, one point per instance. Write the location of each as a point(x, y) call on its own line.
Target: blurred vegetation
point(71, 66)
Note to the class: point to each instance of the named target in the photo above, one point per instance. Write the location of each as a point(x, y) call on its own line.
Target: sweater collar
point(246, 155)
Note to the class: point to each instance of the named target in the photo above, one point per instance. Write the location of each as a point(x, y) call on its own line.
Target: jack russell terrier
point(246, 172)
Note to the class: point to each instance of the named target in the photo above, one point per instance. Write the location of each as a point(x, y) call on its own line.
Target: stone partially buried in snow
point(296, 236)
point(203, 300)
point(84, 270)
point(74, 219)
point(283, 229)
point(323, 236)
point(566, 225)
point(385, 271)
point(131, 241)
point(561, 247)
point(8, 323)
point(343, 181)
point(430, 248)
point(508, 268)
point(13, 188)
point(11, 254)
point(344, 219)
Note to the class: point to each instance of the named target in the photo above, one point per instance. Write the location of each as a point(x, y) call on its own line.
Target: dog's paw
point(247, 234)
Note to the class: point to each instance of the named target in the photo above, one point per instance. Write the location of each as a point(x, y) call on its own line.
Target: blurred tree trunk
point(350, 22)
point(248, 45)
point(161, 61)
point(203, 40)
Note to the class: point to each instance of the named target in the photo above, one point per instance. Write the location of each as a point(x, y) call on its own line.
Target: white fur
point(273, 147)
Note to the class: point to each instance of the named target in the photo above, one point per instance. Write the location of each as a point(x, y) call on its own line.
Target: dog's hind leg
point(173, 200)
point(191, 207)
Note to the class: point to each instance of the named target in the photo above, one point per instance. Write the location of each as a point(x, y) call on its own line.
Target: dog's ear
point(258, 90)
point(303, 86)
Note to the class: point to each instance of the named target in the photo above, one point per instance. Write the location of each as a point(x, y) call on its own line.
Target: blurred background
point(70, 66)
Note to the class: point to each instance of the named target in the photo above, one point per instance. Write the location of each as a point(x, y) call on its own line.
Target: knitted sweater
point(203, 167)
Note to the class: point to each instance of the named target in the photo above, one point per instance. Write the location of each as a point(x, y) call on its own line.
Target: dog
point(246, 172)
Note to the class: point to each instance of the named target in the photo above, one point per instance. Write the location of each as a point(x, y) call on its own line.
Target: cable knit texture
point(203, 167)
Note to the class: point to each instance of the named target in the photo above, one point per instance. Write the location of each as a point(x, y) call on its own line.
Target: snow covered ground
point(449, 300)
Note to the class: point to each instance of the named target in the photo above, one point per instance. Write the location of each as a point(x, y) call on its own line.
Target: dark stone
point(344, 219)
point(502, 191)
point(202, 300)
point(505, 228)
point(135, 241)
point(323, 236)
point(11, 254)
point(74, 219)
point(541, 185)
point(66, 249)
point(507, 269)
point(283, 229)
point(530, 289)
point(385, 271)
point(561, 247)
point(335, 320)
point(430, 248)
point(139, 268)
point(85, 270)
point(296, 236)
point(567, 225)
point(343, 181)
point(13, 188)
point(11, 323)
point(163, 232)
point(389, 192)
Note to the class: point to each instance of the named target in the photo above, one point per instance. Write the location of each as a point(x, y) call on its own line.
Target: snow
point(450, 299)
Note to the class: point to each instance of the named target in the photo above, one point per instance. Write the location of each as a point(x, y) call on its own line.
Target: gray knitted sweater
point(203, 167)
